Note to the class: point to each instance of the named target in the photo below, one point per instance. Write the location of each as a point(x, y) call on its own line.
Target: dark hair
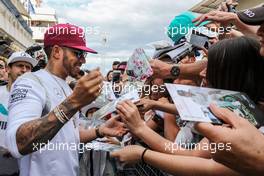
point(48, 51)
point(123, 63)
point(116, 63)
point(236, 64)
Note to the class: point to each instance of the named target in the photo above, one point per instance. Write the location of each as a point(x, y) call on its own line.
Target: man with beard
point(43, 129)
point(17, 64)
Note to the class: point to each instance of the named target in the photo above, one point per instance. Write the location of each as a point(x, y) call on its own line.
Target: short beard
point(67, 66)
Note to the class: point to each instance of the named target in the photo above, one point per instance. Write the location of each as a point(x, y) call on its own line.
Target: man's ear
point(56, 52)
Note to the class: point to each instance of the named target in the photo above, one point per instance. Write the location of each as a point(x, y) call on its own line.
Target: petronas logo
point(3, 110)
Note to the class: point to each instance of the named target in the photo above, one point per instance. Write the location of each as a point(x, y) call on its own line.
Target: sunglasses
point(78, 53)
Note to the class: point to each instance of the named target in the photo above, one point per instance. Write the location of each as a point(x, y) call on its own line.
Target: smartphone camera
point(116, 76)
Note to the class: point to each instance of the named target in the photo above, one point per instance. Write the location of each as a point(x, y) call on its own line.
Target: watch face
point(175, 71)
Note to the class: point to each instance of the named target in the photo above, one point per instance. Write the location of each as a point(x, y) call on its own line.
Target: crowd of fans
point(41, 107)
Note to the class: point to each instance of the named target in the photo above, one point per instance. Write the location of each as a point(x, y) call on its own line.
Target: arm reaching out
point(226, 18)
point(24, 131)
point(173, 164)
point(157, 105)
point(247, 146)
point(130, 116)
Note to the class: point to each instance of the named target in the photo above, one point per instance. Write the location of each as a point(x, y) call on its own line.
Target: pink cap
point(67, 35)
point(121, 67)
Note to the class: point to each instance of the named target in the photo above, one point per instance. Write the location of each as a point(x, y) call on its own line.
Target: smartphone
point(200, 37)
point(179, 53)
point(116, 76)
point(200, 41)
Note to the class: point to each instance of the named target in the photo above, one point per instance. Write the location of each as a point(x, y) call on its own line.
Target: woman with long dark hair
point(233, 64)
point(236, 64)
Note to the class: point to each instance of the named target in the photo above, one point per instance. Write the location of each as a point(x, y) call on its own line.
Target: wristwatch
point(175, 71)
point(98, 133)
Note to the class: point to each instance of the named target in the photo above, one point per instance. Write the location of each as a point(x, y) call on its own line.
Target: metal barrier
point(98, 163)
point(141, 169)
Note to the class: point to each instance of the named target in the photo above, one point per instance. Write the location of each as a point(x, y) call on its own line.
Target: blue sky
point(126, 24)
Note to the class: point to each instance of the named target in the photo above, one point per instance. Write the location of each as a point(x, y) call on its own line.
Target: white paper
point(111, 107)
point(192, 102)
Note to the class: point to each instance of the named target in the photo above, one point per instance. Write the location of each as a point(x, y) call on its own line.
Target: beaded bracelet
point(58, 115)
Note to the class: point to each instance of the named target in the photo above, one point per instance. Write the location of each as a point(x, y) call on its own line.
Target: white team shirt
point(8, 166)
point(4, 95)
point(27, 100)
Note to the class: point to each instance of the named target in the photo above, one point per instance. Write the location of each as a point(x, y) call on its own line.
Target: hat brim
point(83, 48)
point(204, 23)
point(32, 61)
point(256, 20)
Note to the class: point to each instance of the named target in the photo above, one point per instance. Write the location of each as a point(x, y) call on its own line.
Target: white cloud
point(127, 24)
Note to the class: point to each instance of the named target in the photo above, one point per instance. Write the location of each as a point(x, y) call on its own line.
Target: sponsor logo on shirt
point(58, 92)
point(22, 85)
point(18, 95)
point(3, 125)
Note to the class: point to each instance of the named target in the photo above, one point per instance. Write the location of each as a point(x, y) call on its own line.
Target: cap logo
point(249, 13)
point(23, 55)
